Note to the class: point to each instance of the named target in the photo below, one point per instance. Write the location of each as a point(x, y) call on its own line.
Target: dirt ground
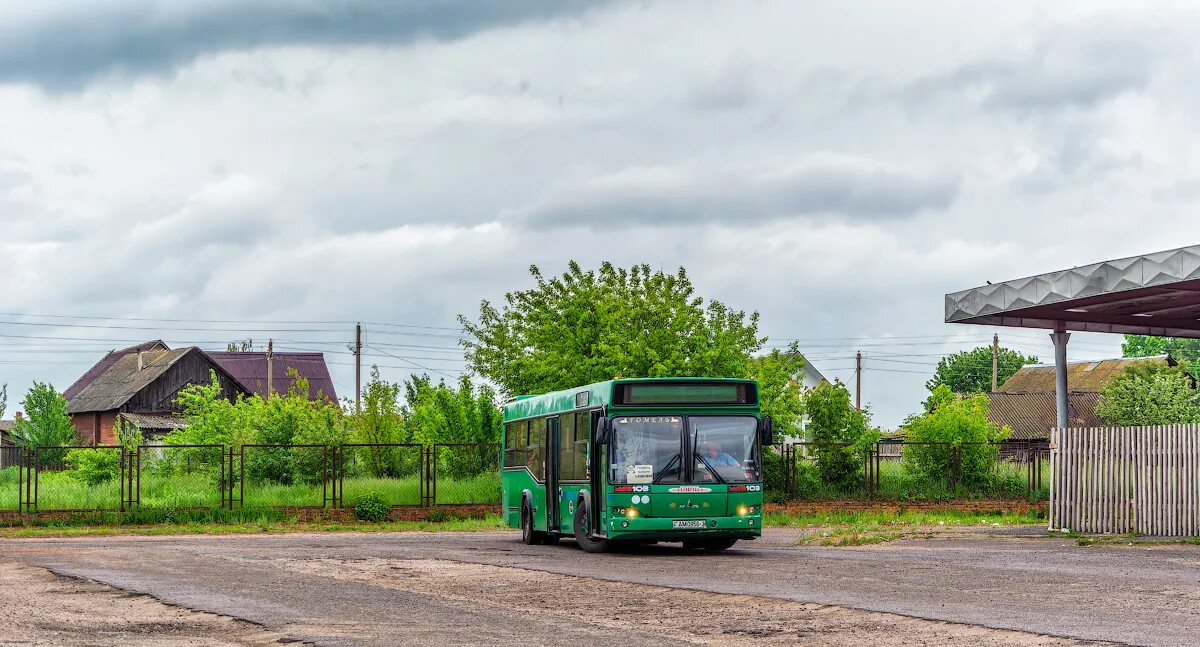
point(486, 588)
point(40, 608)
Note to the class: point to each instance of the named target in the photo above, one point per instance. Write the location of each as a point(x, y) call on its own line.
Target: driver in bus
point(715, 457)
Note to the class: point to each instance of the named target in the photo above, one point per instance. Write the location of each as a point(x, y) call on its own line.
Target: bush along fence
point(908, 471)
point(116, 478)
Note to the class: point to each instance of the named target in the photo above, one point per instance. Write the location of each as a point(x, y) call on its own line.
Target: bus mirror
point(766, 431)
point(602, 429)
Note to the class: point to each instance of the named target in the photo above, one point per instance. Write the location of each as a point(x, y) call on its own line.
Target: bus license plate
point(696, 523)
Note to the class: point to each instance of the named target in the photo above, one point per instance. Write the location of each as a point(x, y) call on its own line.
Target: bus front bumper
point(668, 529)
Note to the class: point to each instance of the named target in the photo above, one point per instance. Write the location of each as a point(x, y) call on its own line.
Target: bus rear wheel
point(583, 527)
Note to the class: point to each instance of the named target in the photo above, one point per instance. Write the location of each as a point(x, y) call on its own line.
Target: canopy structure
point(1155, 294)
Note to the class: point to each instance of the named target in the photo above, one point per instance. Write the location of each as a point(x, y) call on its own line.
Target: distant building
point(1025, 402)
point(140, 384)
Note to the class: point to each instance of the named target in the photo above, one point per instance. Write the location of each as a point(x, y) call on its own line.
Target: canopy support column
point(1060, 337)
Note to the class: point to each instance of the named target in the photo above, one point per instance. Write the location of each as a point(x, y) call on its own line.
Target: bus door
point(553, 490)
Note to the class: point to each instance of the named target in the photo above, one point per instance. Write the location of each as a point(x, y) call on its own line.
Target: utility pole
point(858, 380)
point(995, 360)
point(358, 368)
point(270, 367)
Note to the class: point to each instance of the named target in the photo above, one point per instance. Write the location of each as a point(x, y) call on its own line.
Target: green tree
point(3, 399)
point(463, 414)
point(380, 422)
point(1182, 349)
point(46, 422)
point(1149, 394)
point(970, 371)
point(585, 327)
point(780, 394)
point(958, 427)
point(840, 433)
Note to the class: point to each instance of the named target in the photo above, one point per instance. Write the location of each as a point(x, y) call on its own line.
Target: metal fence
point(112, 478)
point(881, 472)
point(1143, 480)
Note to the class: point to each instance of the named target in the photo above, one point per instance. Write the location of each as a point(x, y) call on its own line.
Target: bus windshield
point(646, 449)
point(725, 450)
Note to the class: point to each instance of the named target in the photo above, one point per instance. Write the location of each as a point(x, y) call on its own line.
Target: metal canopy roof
point(1154, 294)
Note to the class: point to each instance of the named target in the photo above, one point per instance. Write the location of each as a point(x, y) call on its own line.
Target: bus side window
point(516, 440)
point(566, 437)
point(536, 456)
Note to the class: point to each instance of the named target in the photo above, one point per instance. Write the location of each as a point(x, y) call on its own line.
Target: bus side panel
point(513, 484)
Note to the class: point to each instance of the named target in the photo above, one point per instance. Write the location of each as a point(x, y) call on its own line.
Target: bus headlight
point(632, 513)
point(743, 510)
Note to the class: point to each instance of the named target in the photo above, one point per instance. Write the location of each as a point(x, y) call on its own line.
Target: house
point(1026, 404)
point(8, 448)
point(139, 384)
point(809, 375)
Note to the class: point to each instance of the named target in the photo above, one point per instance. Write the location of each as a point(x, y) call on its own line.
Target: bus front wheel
point(583, 527)
point(529, 536)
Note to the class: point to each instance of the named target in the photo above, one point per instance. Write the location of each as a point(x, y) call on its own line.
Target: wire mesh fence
point(910, 471)
point(292, 476)
point(392, 471)
point(179, 476)
point(75, 477)
point(464, 473)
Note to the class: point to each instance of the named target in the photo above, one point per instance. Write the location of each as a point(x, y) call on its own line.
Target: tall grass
point(62, 491)
point(1007, 480)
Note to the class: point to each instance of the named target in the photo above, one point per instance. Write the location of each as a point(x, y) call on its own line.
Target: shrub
point(94, 466)
point(958, 426)
point(839, 431)
point(371, 508)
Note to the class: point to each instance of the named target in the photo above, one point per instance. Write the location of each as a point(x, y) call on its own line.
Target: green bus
point(605, 463)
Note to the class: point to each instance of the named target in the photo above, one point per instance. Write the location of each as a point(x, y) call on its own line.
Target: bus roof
point(598, 394)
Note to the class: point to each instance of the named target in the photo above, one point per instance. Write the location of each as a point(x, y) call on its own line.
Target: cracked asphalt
point(481, 588)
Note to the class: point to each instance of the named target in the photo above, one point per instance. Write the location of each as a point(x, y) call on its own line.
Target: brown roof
point(123, 380)
point(1082, 377)
point(106, 363)
point(154, 421)
point(1031, 415)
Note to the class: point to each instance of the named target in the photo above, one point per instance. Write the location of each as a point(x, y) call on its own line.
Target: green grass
point(870, 527)
point(244, 521)
point(1007, 481)
point(62, 491)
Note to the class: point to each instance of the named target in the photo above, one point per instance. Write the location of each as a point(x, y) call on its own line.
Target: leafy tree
point(959, 426)
point(779, 392)
point(46, 421)
point(443, 414)
point(585, 327)
point(1149, 394)
point(3, 399)
point(379, 422)
point(840, 432)
point(970, 371)
point(1182, 349)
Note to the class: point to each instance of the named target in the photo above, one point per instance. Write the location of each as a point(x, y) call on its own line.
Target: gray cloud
point(1078, 68)
point(62, 47)
point(840, 186)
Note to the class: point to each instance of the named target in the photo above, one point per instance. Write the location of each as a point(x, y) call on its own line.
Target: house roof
point(123, 380)
point(1031, 415)
point(250, 368)
point(106, 363)
point(146, 421)
point(1082, 377)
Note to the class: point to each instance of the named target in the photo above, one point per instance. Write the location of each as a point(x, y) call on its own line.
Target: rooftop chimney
point(141, 363)
point(18, 415)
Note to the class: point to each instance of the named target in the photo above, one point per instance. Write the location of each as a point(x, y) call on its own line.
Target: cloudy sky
point(835, 168)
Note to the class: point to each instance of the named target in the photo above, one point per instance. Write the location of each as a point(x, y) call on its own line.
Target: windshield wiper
point(710, 468)
point(663, 471)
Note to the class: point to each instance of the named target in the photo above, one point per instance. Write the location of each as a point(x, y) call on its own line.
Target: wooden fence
point(1143, 480)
